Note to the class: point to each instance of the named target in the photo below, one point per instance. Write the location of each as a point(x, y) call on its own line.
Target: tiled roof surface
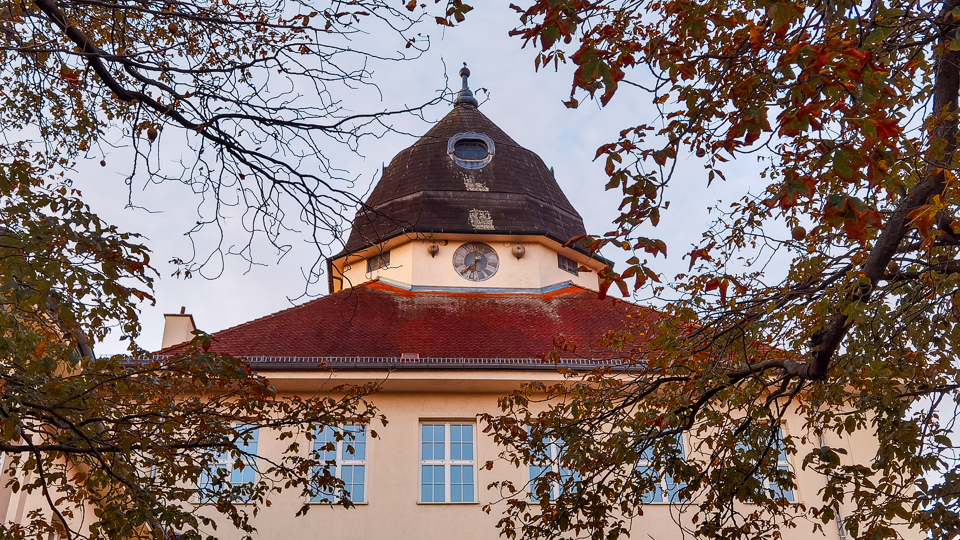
point(423, 190)
point(379, 320)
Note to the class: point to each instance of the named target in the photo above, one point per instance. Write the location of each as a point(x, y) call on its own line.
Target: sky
point(527, 105)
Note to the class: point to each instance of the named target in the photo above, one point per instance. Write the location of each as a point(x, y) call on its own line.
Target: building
point(457, 277)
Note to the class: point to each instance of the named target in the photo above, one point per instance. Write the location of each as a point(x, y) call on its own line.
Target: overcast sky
point(526, 105)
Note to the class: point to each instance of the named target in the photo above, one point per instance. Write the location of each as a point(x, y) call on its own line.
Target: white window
point(665, 489)
point(547, 462)
point(345, 451)
point(236, 471)
point(783, 463)
point(447, 463)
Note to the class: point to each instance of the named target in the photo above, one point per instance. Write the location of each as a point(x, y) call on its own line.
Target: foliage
point(242, 101)
point(125, 439)
point(853, 107)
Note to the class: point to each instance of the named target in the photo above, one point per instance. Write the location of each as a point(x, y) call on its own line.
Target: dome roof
point(425, 190)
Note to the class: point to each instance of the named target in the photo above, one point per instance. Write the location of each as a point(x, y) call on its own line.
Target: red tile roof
point(379, 320)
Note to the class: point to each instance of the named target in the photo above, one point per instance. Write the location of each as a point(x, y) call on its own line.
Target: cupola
point(464, 180)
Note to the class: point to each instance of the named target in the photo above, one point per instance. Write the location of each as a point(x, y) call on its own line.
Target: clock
point(476, 261)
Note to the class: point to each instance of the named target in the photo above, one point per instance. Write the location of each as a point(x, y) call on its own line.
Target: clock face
point(476, 261)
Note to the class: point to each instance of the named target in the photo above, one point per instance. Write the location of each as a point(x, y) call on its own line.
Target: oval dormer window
point(471, 150)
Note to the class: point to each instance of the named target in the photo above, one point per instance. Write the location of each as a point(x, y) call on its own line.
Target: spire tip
point(465, 96)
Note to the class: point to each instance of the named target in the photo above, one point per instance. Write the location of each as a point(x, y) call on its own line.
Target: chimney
point(177, 328)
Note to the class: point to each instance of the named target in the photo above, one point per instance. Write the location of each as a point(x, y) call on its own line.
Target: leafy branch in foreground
point(124, 447)
point(853, 107)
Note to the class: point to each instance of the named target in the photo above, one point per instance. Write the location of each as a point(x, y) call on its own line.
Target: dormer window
point(471, 150)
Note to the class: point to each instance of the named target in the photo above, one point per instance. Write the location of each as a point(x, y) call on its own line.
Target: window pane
point(325, 496)
point(432, 442)
point(470, 149)
point(785, 493)
point(462, 479)
point(353, 476)
point(355, 436)
point(432, 483)
point(673, 489)
point(537, 471)
point(462, 446)
point(569, 474)
point(325, 444)
point(782, 452)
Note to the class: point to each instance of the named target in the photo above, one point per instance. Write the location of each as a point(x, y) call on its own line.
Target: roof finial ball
point(465, 96)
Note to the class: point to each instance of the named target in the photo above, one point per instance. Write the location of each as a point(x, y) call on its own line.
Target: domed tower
point(466, 207)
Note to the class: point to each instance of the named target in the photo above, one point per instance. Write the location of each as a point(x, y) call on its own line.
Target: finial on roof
point(465, 96)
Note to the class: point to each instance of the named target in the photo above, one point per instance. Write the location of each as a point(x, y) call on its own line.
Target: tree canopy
point(853, 108)
point(246, 98)
point(244, 102)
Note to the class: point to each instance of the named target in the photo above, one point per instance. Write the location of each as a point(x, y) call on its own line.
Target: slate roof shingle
point(423, 190)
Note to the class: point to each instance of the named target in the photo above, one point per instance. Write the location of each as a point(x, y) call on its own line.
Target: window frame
point(471, 163)
point(223, 460)
point(568, 265)
point(462, 143)
point(340, 447)
point(378, 262)
point(447, 462)
point(783, 464)
point(666, 489)
point(551, 464)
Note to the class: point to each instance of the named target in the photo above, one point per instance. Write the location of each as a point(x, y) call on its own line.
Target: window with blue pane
point(344, 449)
point(665, 488)
point(447, 463)
point(548, 461)
point(238, 471)
point(783, 465)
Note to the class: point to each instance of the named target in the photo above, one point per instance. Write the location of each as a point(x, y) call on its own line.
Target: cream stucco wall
point(411, 264)
point(392, 511)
